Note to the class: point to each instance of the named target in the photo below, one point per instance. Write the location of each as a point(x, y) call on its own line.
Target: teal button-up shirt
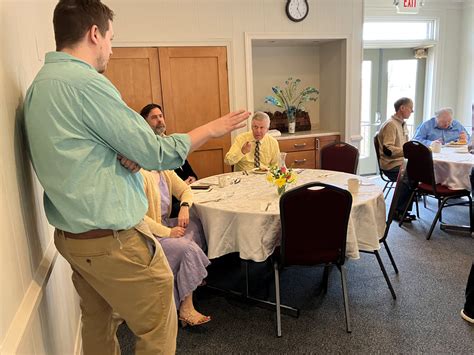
point(76, 123)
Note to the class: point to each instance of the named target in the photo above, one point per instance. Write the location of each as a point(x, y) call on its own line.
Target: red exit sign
point(408, 6)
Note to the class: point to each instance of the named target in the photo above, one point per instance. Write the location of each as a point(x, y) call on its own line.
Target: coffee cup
point(353, 185)
point(223, 180)
point(435, 146)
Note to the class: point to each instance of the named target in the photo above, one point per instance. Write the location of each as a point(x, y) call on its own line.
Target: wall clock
point(297, 10)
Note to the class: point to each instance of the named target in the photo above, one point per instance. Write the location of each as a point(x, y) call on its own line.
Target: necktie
point(256, 160)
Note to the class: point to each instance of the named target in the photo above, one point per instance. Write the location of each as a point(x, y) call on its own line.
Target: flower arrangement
point(281, 176)
point(290, 98)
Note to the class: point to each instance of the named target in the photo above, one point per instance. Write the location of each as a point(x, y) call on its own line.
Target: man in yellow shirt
point(254, 149)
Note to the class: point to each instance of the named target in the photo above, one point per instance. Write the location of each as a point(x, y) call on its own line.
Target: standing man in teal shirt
point(85, 146)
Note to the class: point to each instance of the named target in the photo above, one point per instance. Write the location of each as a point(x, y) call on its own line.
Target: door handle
point(377, 121)
point(300, 145)
point(300, 161)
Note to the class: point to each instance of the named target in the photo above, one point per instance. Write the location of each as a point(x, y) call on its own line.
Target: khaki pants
point(120, 273)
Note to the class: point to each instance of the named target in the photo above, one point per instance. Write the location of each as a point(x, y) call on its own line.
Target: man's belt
point(95, 233)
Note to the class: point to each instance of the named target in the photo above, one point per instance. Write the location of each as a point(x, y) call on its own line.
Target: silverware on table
point(213, 200)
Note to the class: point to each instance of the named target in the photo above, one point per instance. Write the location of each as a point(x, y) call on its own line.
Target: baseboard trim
point(30, 302)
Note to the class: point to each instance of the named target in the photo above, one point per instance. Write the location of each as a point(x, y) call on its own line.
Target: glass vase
point(291, 115)
point(281, 190)
point(291, 127)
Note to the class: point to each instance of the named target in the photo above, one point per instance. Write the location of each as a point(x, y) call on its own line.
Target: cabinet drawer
point(304, 159)
point(295, 145)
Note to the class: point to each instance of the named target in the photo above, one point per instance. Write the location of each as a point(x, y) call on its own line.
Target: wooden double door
point(191, 85)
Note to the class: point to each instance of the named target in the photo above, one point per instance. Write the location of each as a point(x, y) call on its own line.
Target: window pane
point(365, 108)
point(409, 30)
point(402, 83)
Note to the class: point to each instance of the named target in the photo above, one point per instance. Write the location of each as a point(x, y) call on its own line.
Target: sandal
point(194, 319)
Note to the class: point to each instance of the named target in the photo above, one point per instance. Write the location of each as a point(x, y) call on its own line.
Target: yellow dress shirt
point(269, 152)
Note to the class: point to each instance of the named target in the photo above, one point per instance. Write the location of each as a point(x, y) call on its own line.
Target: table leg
point(244, 294)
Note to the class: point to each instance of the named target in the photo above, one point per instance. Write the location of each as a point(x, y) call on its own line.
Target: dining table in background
point(244, 216)
point(452, 167)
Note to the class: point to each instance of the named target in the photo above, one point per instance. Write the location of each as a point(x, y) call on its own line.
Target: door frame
point(380, 58)
point(433, 69)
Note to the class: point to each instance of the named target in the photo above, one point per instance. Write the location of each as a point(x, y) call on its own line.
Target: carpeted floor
point(424, 318)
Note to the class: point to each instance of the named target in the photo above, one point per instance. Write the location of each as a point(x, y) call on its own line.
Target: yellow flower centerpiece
point(281, 176)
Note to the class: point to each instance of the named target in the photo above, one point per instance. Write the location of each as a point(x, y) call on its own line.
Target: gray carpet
point(424, 318)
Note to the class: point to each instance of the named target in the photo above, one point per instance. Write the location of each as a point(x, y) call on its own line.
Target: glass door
point(387, 75)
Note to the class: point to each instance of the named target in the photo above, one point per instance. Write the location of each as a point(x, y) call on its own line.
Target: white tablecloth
point(453, 166)
point(235, 220)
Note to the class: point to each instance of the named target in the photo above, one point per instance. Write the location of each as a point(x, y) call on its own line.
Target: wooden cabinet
point(191, 85)
point(305, 152)
point(300, 152)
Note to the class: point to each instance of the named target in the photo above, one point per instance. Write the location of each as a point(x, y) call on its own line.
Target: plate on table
point(259, 171)
point(456, 144)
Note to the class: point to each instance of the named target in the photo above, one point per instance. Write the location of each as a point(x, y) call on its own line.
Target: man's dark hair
point(73, 18)
point(400, 102)
point(146, 110)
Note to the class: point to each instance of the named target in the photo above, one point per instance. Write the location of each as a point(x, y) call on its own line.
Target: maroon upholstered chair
point(340, 156)
point(388, 183)
point(327, 209)
point(383, 239)
point(420, 170)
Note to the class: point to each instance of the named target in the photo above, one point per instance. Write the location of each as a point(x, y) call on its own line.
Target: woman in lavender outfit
point(181, 238)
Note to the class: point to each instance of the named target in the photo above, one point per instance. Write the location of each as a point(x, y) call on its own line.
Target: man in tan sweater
point(392, 136)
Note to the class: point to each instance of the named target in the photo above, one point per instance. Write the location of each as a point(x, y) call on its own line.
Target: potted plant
point(291, 99)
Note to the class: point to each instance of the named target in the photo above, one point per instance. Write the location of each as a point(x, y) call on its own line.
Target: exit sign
point(408, 6)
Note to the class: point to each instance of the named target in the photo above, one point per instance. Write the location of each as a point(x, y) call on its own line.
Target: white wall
point(39, 312)
point(225, 22)
point(466, 64)
point(273, 65)
point(451, 68)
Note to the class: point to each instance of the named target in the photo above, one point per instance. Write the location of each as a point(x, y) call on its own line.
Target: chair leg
point(424, 201)
point(277, 298)
point(470, 213)
point(327, 269)
point(342, 269)
point(440, 211)
point(386, 188)
point(392, 260)
point(384, 272)
point(417, 208)
point(437, 216)
point(406, 208)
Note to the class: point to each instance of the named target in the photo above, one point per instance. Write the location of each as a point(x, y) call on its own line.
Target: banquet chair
point(383, 239)
point(340, 156)
point(420, 170)
point(327, 208)
point(388, 183)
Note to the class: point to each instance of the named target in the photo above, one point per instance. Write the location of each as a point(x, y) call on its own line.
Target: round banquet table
point(452, 167)
point(244, 216)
